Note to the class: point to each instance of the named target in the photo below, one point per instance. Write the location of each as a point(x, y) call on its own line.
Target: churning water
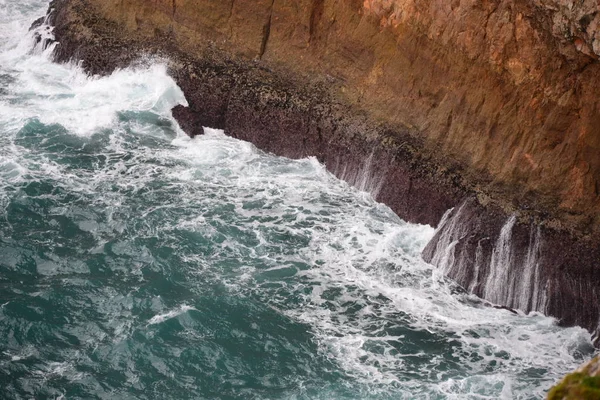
point(138, 263)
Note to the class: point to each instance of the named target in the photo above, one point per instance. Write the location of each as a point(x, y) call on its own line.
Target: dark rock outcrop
point(488, 107)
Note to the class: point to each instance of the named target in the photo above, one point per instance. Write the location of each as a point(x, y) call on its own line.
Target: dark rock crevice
point(316, 13)
point(266, 31)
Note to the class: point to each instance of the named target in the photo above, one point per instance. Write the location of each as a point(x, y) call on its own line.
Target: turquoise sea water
point(136, 263)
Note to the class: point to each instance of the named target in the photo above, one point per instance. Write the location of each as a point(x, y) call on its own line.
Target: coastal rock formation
point(519, 265)
point(583, 384)
point(490, 107)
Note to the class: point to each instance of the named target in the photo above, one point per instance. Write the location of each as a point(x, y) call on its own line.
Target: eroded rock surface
point(506, 89)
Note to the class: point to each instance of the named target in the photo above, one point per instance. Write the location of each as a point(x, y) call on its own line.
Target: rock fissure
point(266, 31)
point(316, 13)
point(231, 10)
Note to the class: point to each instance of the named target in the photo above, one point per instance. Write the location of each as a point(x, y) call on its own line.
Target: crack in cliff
point(231, 10)
point(266, 32)
point(229, 25)
point(316, 13)
point(174, 8)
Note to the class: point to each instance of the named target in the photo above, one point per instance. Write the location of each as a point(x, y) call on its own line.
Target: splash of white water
point(500, 285)
point(364, 178)
point(354, 252)
point(67, 96)
point(160, 318)
point(505, 279)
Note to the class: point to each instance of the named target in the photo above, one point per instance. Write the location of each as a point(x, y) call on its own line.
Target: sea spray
point(493, 267)
point(365, 178)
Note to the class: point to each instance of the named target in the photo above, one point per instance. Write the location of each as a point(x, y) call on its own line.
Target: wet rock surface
point(426, 105)
point(518, 264)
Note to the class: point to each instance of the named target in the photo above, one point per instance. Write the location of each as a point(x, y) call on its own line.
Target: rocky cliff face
point(425, 103)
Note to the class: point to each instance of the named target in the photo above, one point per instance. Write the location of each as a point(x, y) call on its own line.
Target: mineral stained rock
point(427, 104)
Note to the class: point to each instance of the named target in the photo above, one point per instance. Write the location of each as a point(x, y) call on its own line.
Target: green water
point(136, 263)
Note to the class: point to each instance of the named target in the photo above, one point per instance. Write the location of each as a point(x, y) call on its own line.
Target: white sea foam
point(65, 95)
point(83, 104)
point(526, 342)
point(369, 260)
point(160, 318)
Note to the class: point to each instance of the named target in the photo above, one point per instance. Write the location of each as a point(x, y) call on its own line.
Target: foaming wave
point(373, 318)
point(15, 20)
point(64, 94)
point(380, 312)
point(214, 211)
point(160, 318)
point(372, 304)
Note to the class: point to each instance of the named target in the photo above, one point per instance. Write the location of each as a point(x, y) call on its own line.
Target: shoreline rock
point(519, 265)
point(390, 97)
point(583, 384)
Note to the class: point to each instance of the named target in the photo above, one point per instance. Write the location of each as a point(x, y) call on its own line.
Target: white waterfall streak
point(479, 260)
point(499, 287)
point(451, 232)
point(511, 277)
point(532, 296)
point(364, 179)
point(512, 283)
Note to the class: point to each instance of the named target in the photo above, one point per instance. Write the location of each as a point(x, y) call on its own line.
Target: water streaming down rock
point(444, 256)
point(532, 289)
point(365, 178)
point(501, 278)
point(518, 264)
point(491, 264)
